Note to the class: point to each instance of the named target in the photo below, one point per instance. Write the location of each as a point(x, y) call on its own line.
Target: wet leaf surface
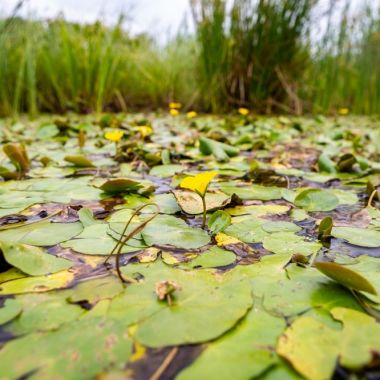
point(280, 281)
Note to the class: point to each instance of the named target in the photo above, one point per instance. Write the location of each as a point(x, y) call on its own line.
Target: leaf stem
point(372, 196)
point(204, 211)
point(124, 239)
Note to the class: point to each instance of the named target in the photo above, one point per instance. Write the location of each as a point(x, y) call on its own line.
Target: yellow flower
point(145, 130)
point(174, 112)
point(198, 183)
point(114, 135)
point(175, 105)
point(243, 111)
point(343, 111)
point(191, 114)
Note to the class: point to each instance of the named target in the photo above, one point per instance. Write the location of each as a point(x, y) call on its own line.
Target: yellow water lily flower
point(343, 111)
point(114, 135)
point(145, 131)
point(191, 114)
point(198, 183)
point(243, 111)
point(174, 112)
point(175, 105)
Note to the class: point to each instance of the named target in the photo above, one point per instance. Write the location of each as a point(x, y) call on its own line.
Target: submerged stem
point(124, 239)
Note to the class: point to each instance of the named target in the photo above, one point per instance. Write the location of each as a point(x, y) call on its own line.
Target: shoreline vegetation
point(267, 56)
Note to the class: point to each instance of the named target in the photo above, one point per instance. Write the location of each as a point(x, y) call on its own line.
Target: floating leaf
point(325, 228)
point(80, 161)
point(166, 170)
point(325, 164)
point(360, 338)
point(316, 200)
point(289, 244)
point(168, 230)
point(219, 150)
point(18, 156)
point(33, 260)
point(357, 236)
point(346, 276)
point(213, 258)
point(264, 193)
point(37, 284)
point(86, 216)
point(310, 347)
point(195, 315)
point(346, 162)
point(191, 203)
point(42, 233)
point(219, 221)
point(120, 186)
point(244, 353)
point(67, 352)
point(48, 315)
point(10, 310)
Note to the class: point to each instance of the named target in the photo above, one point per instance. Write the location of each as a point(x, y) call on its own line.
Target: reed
point(259, 54)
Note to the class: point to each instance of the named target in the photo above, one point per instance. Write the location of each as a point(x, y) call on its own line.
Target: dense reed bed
point(266, 55)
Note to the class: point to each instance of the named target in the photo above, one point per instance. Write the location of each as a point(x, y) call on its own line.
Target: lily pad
point(316, 200)
point(357, 236)
point(41, 234)
point(10, 310)
point(244, 353)
point(33, 260)
point(346, 276)
point(195, 315)
point(168, 230)
point(310, 347)
point(67, 352)
point(191, 203)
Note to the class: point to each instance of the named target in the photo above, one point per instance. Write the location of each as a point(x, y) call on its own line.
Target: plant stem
point(371, 198)
point(124, 238)
point(204, 211)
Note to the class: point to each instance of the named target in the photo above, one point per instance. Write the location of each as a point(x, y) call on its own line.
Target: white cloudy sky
point(159, 17)
point(152, 15)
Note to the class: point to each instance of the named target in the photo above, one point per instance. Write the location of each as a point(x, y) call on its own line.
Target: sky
point(155, 16)
point(161, 18)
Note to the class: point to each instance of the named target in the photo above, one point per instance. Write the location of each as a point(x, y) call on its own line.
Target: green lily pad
point(120, 186)
point(68, 352)
point(42, 233)
point(316, 200)
point(195, 315)
point(48, 315)
point(80, 161)
point(95, 240)
point(357, 236)
point(263, 193)
point(289, 244)
point(168, 230)
point(219, 221)
point(213, 258)
point(219, 150)
point(360, 338)
point(10, 310)
point(33, 260)
point(346, 276)
point(310, 347)
point(244, 353)
point(166, 170)
point(37, 284)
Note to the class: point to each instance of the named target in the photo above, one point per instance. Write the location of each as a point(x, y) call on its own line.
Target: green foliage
point(263, 55)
